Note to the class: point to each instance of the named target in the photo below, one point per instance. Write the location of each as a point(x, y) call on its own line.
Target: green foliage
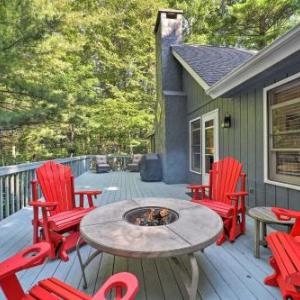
point(241, 23)
point(256, 23)
point(200, 17)
point(77, 77)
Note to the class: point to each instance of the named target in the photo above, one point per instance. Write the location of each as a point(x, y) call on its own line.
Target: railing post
point(13, 193)
point(6, 195)
point(31, 176)
point(22, 189)
point(12, 185)
point(17, 191)
point(26, 185)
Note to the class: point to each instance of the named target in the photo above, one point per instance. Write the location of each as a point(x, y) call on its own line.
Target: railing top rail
point(8, 170)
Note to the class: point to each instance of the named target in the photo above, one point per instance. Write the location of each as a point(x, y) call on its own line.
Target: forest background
point(77, 77)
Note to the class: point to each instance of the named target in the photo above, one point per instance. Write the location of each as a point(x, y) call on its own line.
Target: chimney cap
point(166, 10)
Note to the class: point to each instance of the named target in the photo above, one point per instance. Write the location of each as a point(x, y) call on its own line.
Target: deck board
point(227, 272)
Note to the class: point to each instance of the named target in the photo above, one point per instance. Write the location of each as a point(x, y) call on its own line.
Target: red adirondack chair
point(60, 217)
point(221, 195)
point(52, 288)
point(285, 259)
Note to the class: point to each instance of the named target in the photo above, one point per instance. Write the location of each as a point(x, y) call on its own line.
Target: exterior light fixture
point(227, 121)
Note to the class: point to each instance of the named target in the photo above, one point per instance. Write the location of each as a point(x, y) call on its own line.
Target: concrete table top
point(106, 230)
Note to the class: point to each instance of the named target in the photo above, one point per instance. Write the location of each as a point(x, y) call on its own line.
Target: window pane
point(196, 162)
point(209, 141)
point(284, 93)
point(290, 141)
point(196, 124)
point(209, 159)
point(286, 117)
point(196, 145)
point(284, 133)
point(196, 138)
point(209, 145)
point(209, 123)
point(288, 163)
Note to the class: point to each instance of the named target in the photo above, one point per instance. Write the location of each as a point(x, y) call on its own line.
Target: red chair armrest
point(197, 186)
point(285, 214)
point(93, 193)
point(89, 195)
point(46, 205)
point(196, 189)
point(120, 280)
point(236, 195)
point(27, 258)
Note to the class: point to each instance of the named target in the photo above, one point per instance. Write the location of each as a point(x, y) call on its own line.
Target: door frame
point(212, 115)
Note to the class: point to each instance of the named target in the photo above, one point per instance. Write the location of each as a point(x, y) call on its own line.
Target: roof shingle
point(211, 63)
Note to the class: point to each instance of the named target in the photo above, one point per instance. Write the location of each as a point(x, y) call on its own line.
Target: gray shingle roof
point(209, 62)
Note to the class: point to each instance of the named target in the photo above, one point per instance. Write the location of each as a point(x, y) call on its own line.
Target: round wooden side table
point(263, 216)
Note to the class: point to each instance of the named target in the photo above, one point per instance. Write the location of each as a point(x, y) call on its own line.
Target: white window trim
point(216, 139)
point(190, 144)
point(265, 129)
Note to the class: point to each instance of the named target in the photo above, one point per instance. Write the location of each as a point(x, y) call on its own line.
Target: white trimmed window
point(195, 145)
point(283, 133)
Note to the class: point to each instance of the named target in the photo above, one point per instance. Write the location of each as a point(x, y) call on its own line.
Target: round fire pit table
point(123, 229)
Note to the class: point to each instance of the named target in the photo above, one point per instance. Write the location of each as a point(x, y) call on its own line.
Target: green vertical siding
point(244, 140)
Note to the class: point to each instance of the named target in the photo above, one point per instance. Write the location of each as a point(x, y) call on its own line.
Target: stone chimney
point(168, 31)
point(171, 136)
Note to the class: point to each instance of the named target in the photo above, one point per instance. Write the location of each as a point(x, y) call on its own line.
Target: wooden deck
point(226, 272)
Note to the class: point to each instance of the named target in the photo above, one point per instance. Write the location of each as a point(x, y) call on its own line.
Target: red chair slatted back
point(224, 178)
point(56, 182)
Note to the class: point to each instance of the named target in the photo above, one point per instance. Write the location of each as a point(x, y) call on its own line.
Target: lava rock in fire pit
point(151, 216)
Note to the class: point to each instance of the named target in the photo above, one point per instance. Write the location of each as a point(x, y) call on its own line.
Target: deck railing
point(15, 189)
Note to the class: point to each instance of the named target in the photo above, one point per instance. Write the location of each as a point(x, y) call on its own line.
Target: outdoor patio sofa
point(134, 166)
point(102, 164)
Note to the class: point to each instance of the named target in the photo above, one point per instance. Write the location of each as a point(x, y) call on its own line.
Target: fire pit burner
point(151, 216)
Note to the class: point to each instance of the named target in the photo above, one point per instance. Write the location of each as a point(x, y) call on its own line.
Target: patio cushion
point(67, 219)
point(223, 209)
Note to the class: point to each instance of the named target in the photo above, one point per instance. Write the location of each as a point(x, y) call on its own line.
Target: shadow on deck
point(226, 272)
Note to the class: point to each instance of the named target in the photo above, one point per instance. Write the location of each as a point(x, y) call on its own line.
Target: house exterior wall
point(244, 140)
